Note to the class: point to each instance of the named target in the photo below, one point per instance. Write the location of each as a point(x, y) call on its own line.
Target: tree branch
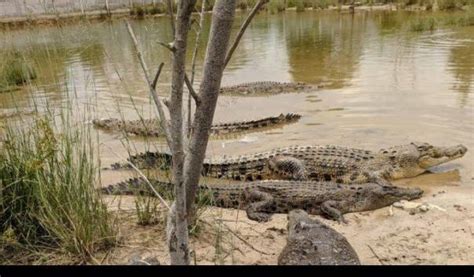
point(169, 3)
point(193, 63)
point(191, 90)
point(156, 99)
point(157, 76)
point(198, 40)
point(143, 176)
point(169, 46)
point(244, 26)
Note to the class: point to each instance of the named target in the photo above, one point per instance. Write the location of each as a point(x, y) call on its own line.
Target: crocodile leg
point(329, 209)
point(286, 167)
point(259, 203)
point(377, 177)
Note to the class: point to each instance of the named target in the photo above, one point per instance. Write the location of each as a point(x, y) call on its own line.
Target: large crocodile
point(261, 199)
point(266, 87)
point(320, 163)
point(151, 127)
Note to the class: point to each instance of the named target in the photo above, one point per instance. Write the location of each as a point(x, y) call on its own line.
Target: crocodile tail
point(146, 160)
point(290, 117)
point(226, 128)
point(136, 186)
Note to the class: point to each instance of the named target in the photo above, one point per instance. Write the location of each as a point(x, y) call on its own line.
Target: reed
point(47, 194)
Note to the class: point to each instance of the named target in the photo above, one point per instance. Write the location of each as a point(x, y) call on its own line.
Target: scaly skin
point(267, 87)
point(264, 198)
point(151, 127)
point(320, 163)
point(311, 242)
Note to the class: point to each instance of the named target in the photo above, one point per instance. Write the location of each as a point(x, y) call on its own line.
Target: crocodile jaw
point(387, 195)
point(440, 155)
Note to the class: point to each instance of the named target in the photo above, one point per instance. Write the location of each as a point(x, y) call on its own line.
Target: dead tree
point(188, 157)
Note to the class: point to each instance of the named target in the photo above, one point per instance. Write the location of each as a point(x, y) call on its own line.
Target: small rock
point(280, 231)
point(459, 208)
point(415, 207)
point(137, 260)
point(424, 208)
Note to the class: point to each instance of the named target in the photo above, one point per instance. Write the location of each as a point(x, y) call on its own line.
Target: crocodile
point(151, 127)
point(261, 199)
point(266, 87)
point(319, 163)
point(311, 242)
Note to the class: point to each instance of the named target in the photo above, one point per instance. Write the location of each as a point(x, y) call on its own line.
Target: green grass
point(300, 5)
point(14, 71)
point(275, 6)
point(451, 4)
point(47, 194)
point(447, 20)
point(423, 24)
point(460, 20)
point(141, 11)
point(466, 19)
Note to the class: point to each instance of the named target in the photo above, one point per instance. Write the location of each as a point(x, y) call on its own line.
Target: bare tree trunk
point(214, 64)
point(178, 240)
point(187, 167)
point(244, 26)
point(107, 7)
point(81, 2)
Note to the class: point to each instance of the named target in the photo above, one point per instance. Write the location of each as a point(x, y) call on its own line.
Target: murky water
point(385, 84)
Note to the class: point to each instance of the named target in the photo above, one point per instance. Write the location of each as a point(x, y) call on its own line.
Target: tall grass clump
point(276, 6)
point(47, 194)
point(14, 71)
point(242, 5)
point(467, 19)
point(463, 19)
point(448, 4)
point(300, 5)
point(423, 24)
point(321, 4)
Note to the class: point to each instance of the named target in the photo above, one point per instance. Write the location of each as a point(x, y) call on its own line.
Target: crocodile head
point(415, 158)
point(430, 155)
point(382, 196)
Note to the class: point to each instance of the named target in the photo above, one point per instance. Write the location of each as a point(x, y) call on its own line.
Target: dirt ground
point(441, 235)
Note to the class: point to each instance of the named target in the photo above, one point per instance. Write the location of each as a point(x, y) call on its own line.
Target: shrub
point(157, 9)
point(15, 71)
point(47, 198)
point(275, 6)
point(423, 24)
point(242, 4)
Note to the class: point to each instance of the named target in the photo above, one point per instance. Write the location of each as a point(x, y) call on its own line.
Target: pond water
point(385, 85)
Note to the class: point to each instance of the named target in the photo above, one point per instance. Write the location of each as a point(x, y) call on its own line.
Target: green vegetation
point(47, 195)
point(466, 19)
point(432, 22)
point(299, 5)
point(141, 10)
point(425, 24)
point(276, 7)
point(451, 4)
point(14, 71)
point(323, 4)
